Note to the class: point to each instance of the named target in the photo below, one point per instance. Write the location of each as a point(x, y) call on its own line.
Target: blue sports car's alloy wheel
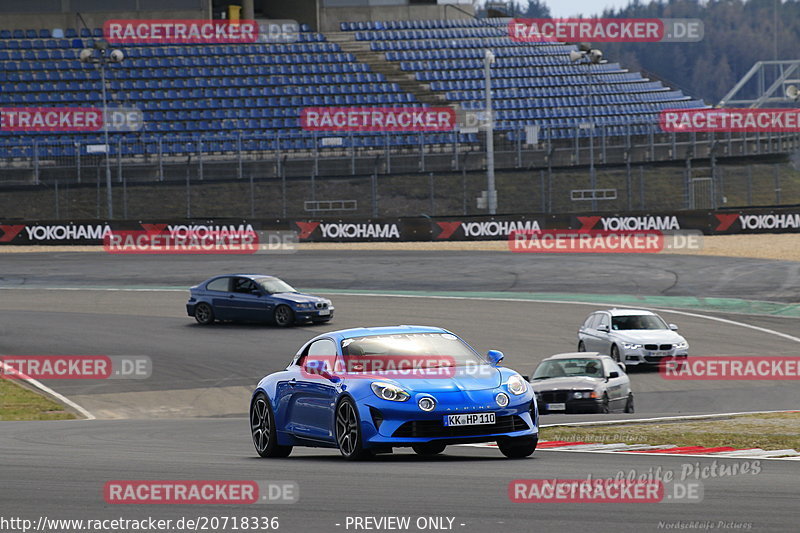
point(348, 433)
point(262, 428)
point(429, 448)
point(283, 316)
point(259, 422)
point(518, 447)
point(203, 314)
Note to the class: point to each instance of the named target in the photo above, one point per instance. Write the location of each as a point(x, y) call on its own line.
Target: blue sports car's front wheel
point(518, 447)
point(348, 431)
point(262, 427)
point(429, 448)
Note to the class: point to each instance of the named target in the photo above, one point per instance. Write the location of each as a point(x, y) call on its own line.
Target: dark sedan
point(581, 382)
point(255, 298)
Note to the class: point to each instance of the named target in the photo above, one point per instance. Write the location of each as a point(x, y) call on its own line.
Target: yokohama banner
point(723, 222)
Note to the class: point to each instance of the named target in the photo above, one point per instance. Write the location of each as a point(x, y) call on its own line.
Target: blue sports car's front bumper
point(387, 423)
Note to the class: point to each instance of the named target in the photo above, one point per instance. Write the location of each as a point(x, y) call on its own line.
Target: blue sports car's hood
point(463, 379)
point(297, 297)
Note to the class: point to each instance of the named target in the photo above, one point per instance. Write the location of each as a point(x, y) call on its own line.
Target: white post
point(491, 193)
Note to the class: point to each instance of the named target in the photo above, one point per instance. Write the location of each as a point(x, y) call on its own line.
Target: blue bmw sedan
point(255, 298)
point(369, 390)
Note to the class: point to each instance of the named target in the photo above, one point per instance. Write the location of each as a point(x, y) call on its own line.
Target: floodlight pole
point(109, 196)
point(595, 57)
point(592, 173)
point(99, 54)
point(491, 193)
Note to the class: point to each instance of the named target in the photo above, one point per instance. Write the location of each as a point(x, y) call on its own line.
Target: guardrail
point(437, 229)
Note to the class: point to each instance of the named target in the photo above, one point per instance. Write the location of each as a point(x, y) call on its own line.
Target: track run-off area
point(189, 419)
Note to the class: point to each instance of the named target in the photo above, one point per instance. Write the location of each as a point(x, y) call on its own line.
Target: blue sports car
point(255, 298)
point(368, 390)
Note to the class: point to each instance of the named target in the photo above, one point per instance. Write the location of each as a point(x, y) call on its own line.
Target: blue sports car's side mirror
point(320, 369)
point(494, 357)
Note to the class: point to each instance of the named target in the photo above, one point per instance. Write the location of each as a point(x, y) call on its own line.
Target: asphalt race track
point(638, 274)
point(188, 420)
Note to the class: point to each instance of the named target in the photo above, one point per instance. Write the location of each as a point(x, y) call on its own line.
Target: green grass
point(19, 403)
point(776, 431)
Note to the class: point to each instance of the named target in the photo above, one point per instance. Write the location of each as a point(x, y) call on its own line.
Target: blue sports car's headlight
point(305, 306)
point(388, 391)
point(517, 385)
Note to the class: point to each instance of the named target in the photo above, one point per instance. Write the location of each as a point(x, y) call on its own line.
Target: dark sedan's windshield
point(559, 368)
point(446, 348)
point(273, 285)
point(637, 322)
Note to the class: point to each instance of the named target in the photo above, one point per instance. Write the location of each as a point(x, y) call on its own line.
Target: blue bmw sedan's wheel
point(283, 316)
point(262, 427)
point(348, 431)
point(204, 314)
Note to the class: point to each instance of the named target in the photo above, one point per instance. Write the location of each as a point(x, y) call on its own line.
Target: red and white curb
point(669, 449)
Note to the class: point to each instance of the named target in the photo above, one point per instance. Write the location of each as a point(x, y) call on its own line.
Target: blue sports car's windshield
point(560, 368)
point(274, 285)
point(446, 346)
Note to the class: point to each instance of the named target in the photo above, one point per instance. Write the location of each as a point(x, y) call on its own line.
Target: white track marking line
point(60, 397)
point(567, 302)
point(434, 297)
point(659, 419)
point(479, 298)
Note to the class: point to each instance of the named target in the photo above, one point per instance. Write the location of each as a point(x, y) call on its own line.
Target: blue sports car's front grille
point(435, 428)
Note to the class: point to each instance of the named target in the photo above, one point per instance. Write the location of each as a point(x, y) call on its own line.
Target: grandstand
point(188, 92)
point(219, 103)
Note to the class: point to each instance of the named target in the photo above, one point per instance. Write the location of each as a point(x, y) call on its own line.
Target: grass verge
point(774, 431)
point(19, 403)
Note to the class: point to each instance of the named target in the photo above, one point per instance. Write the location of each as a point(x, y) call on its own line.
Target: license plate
point(556, 407)
point(324, 312)
point(469, 419)
point(658, 354)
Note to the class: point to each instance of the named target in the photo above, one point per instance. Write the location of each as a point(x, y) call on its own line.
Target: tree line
point(738, 33)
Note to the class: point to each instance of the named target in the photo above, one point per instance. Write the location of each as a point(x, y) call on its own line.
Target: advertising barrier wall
point(472, 228)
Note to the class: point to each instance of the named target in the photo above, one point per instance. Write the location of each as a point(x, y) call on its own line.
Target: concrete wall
point(330, 16)
point(39, 14)
point(303, 11)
